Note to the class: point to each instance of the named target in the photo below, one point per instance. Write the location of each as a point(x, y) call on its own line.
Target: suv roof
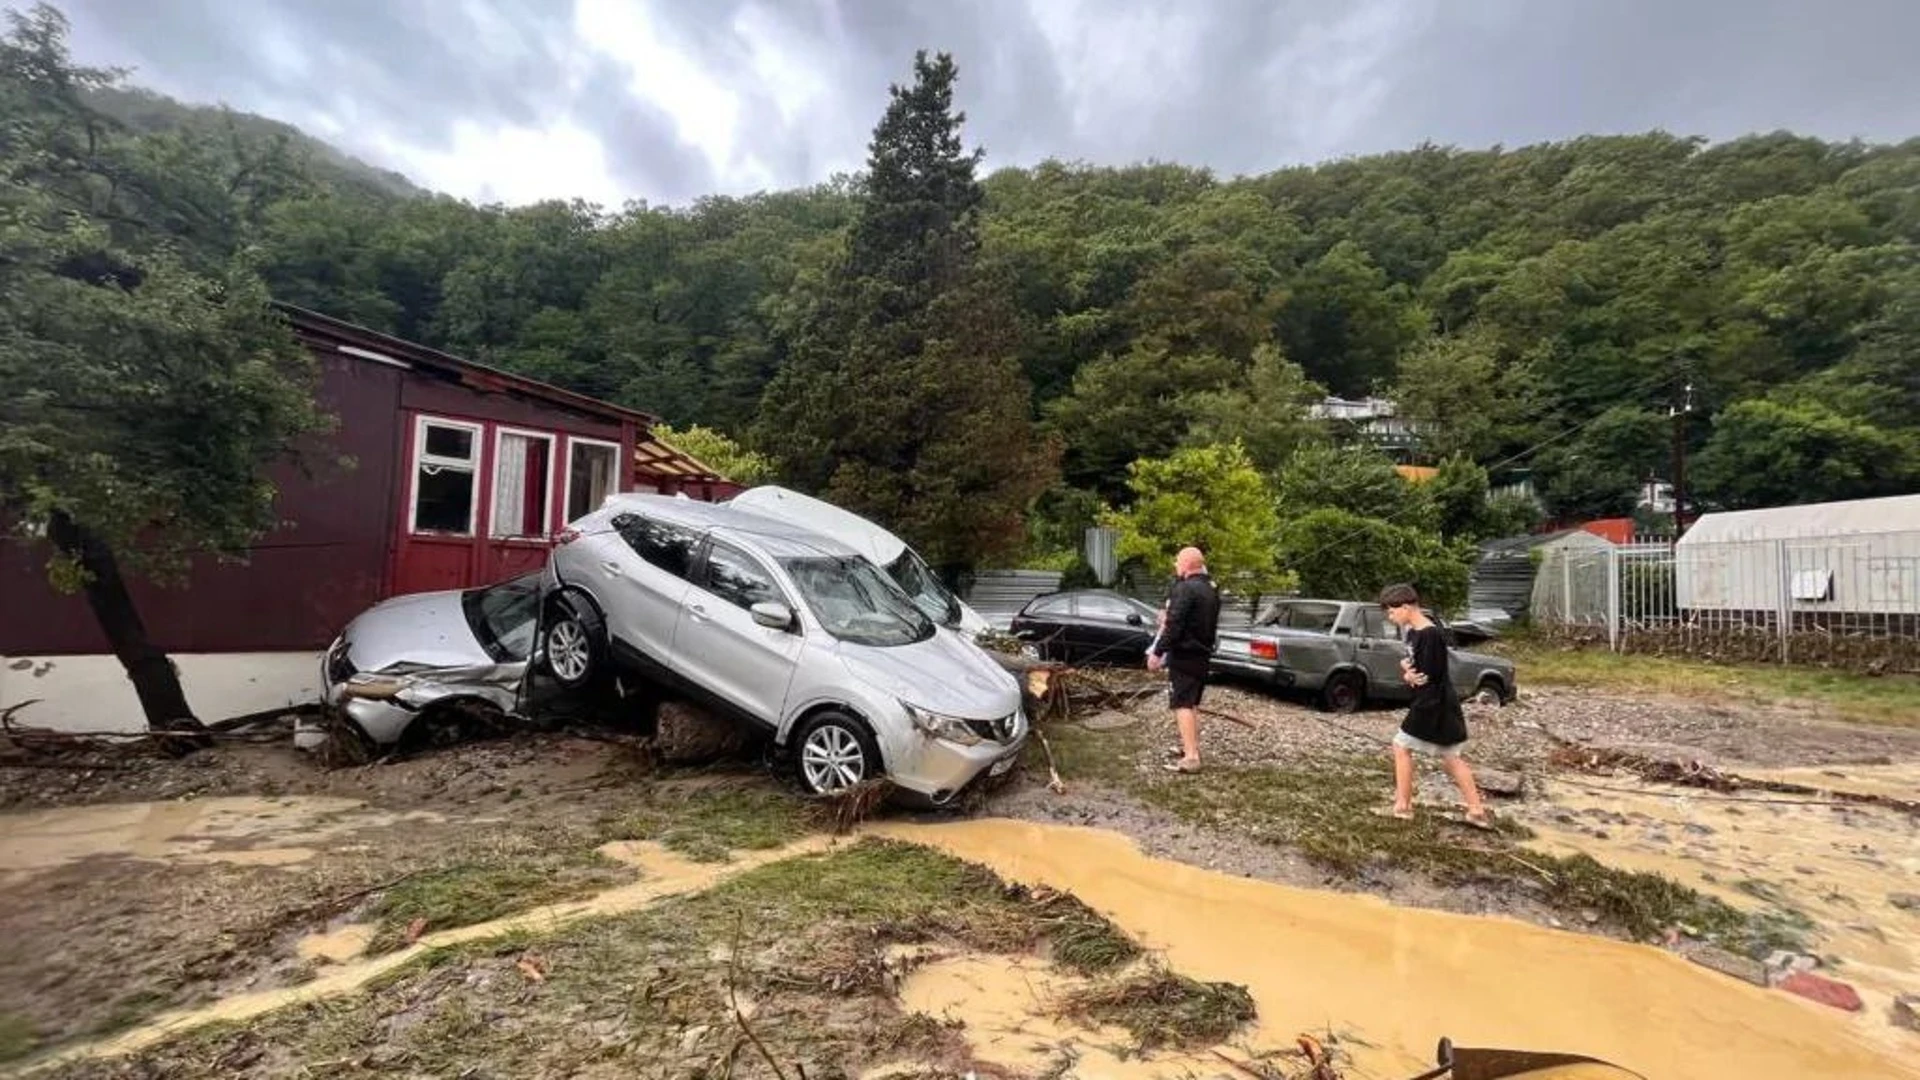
point(780, 538)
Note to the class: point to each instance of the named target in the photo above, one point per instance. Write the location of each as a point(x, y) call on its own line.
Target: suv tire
point(574, 647)
point(833, 751)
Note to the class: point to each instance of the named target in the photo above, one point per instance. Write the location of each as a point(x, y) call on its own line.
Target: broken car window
point(858, 603)
point(668, 547)
point(735, 576)
point(504, 616)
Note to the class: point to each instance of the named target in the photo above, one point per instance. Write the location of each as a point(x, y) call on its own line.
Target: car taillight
point(565, 537)
point(1265, 650)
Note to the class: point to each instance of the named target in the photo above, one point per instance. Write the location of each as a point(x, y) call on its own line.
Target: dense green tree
point(903, 398)
point(1765, 453)
point(1209, 497)
point(1340, 555)
point(1356, 479)
point(1266, 412)
point(143, 389)
point(719, 452)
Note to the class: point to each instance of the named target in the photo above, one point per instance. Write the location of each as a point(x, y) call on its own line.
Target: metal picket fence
point(1850, 600)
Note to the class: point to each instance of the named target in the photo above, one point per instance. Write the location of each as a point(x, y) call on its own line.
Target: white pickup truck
point(1347, 653)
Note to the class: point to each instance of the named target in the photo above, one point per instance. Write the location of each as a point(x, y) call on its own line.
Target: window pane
point(733, 576)
point(590, 475)
point(443, 500)
point(1104, 608)
point(665, 546)
point(1059, 605)
point(449, 442)
point(520, 486)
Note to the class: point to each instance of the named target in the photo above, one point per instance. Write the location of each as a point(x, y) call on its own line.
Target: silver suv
point(782, 627)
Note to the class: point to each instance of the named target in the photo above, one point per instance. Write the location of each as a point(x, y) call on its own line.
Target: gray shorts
point(1422, 746)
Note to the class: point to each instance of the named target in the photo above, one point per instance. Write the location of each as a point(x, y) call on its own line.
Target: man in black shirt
point(1435, 723)
point(1185, 648)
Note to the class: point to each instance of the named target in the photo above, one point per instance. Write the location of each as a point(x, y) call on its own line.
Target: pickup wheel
point(1343, 693)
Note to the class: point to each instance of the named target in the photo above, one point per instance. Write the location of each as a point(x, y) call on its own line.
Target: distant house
point(460, 475)
point(1373, 419)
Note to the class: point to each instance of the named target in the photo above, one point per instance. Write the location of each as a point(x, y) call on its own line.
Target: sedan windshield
point(503, 616)
point(856, 602)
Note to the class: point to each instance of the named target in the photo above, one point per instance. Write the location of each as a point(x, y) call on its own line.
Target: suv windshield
point(858, 603)
point(924, 589)
point(502, 616)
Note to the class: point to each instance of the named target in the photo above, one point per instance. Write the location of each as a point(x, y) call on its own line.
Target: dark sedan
point(1088, 626)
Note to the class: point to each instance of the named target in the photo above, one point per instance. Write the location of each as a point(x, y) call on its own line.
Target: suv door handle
point(699, 610)
point(611, 567)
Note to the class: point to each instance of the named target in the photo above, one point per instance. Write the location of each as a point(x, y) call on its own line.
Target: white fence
point(1850, 600)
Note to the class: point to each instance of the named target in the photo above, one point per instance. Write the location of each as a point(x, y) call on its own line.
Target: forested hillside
point(1538, 307)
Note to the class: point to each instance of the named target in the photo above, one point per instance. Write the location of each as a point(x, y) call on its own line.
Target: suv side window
point(738, 578)
point(1105, 608)
point(668, 547)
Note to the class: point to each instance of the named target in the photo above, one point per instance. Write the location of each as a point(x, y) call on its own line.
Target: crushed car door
point(719, 646)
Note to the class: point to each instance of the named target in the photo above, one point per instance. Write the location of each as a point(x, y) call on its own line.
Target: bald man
point(1185, 648)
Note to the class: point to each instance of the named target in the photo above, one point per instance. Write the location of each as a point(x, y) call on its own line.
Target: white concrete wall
point(91, 693)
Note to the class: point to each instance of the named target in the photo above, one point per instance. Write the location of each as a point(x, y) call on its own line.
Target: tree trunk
point(154, 678)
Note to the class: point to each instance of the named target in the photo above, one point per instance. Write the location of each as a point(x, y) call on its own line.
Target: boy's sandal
point(1390, 812)
point(1182, 766)
point(1482, 820)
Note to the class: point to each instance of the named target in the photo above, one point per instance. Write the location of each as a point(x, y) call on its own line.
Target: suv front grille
point(1004, 729)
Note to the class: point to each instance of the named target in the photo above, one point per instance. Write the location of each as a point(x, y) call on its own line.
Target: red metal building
point(458, 474)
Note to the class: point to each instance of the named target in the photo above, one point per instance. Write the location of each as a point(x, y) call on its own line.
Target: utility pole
point(1679, 413)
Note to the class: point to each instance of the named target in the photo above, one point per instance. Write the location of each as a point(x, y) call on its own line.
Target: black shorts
point(1184, 688)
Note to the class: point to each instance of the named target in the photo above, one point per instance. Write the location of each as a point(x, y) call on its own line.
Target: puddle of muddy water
point(1837, 865)
point(336, 946)
point(1397, 979)
point(1008, 1005)
point(241, 831)
point(663, 874)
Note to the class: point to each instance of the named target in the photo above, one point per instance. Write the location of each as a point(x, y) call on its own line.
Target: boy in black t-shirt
point(1435, 723)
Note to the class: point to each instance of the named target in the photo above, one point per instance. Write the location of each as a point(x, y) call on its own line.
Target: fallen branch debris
point(1601, 760)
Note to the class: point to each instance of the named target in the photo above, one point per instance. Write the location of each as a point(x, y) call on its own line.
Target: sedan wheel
point(1343, 693)
point(836, 753)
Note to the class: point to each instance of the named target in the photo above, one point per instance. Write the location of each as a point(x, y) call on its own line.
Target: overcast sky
point(664, 100)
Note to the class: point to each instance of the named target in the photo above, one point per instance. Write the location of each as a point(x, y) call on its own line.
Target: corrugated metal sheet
point(998, 595)
point(1103, 553)
point(1896, 513)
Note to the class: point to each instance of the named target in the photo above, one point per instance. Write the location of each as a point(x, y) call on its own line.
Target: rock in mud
point(1744, 968)
point(1905, 901)
point(1906, 1012)
point(689, 735)
point(1508, 785)
point(1823, 990)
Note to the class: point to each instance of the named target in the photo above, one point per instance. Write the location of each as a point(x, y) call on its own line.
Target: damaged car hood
point(944, 674)
point(425, 629)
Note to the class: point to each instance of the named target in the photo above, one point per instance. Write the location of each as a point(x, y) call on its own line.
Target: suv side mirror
point(773, 616)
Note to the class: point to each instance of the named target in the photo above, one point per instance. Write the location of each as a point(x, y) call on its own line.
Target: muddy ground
point(108, 919)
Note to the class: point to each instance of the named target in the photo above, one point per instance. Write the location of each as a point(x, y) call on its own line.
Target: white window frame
point(546, 505)
point(422, 459)
point(566, 499)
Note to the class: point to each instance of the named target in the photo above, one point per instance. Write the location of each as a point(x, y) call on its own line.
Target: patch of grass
point(475, 892)
point(708, 824)
point(1884, 699)
point(1164, 1009)
point(18, 1037)
point(1100, 757)
point(648, 993)
point(1326, 809)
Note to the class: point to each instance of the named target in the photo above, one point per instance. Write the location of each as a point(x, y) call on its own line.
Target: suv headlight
point(951, 728)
